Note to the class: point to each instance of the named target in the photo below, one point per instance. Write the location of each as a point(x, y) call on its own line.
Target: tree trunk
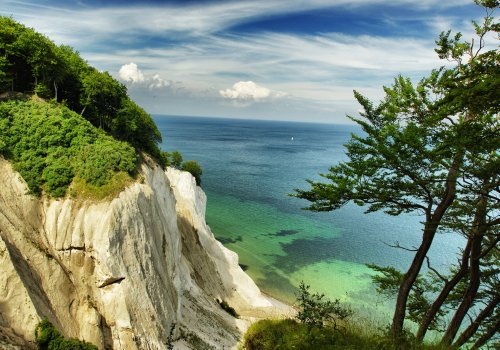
point(473, 327)
point(448, 287)
point(431, 225)
point(486, 336)
point(55, 90)
point(477, 233)
point(409, 278)
point(470, 294)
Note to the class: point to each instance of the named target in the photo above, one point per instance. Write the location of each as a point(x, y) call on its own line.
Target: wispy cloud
point(189, 51)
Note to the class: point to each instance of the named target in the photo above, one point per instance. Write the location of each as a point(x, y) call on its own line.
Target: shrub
point(49, 144)
point(164, 159)
point(317, 311)
point(194, 168)
point(225, 306)
point(98, 162)
point(49, 338)
point(176, 159)
point(289, 334)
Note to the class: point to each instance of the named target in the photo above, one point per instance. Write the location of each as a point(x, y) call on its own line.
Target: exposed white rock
point(120, 273)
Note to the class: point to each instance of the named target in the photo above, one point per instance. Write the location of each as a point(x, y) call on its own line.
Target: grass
point(83, 190)
point(290, 334)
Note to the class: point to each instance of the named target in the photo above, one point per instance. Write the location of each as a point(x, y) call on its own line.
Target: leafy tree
point(101, 98)
point(424, 149)
point(316, 311)
point(194, 168)
point(164, 159)
point(134, 125)
point(176, 159)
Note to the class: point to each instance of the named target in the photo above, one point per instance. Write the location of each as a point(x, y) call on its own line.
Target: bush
point(29, 61)
point(225, 306)
point(97, 162)
point(317, 311)
point(164, 159)
point(289, 334)
point(176, 159)
point(49, 338)
point(49, 144)
point(194, 168)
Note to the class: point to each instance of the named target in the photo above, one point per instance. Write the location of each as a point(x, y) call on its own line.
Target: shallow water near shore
point(250, 167)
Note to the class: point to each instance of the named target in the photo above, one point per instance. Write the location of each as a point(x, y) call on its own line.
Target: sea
point(250, 168)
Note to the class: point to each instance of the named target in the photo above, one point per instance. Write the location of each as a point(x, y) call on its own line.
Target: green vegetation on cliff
point(49, 145)
point(89, 133)
point(49, 338)
point(32, 63)
point(323, 324)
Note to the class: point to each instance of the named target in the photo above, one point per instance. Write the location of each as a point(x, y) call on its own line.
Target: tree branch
point(434, 270)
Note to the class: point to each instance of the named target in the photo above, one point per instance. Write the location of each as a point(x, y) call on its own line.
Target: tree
point(101, 97)
point(134, 125)
point(194, 169)
point(315, 310)
point(419, 155)
point(176, 159)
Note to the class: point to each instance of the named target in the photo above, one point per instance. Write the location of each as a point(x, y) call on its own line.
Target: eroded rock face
point(120, 273)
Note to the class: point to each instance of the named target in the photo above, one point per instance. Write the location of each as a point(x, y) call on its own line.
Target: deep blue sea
point(250, 167)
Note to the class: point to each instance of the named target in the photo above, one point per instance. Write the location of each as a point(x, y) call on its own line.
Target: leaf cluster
point(316, 311)
point(49, 145)
point(194, 168)
point(49, 338)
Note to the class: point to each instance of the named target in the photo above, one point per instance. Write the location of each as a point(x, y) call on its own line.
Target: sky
point(297, 60)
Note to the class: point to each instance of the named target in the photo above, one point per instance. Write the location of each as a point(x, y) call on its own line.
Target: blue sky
point(265, 59)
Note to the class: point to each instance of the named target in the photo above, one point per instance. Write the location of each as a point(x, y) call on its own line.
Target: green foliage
point(29, 61)
point(387, 281)
point(42, 90)
point(134, 125)
point(176, 159)
point(290, 334)
point(225, 306)
point(49, 338)
point(96, 163)
point(194, 168)
point(50, 144)
point(164, 159)
point(316, 311)
point(432, 149)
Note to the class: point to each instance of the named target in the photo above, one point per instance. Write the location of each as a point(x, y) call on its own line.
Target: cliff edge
point(121, 273)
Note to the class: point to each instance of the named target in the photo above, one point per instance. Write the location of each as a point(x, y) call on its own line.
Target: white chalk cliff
point(120, 273)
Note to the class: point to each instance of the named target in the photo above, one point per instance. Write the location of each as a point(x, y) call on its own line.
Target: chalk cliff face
point(120, 273)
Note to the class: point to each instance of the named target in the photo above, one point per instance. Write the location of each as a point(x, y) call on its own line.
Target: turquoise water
point(250, 167)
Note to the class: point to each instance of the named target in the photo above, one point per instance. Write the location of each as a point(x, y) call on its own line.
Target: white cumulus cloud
point(248, 90)
point(131, 73)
